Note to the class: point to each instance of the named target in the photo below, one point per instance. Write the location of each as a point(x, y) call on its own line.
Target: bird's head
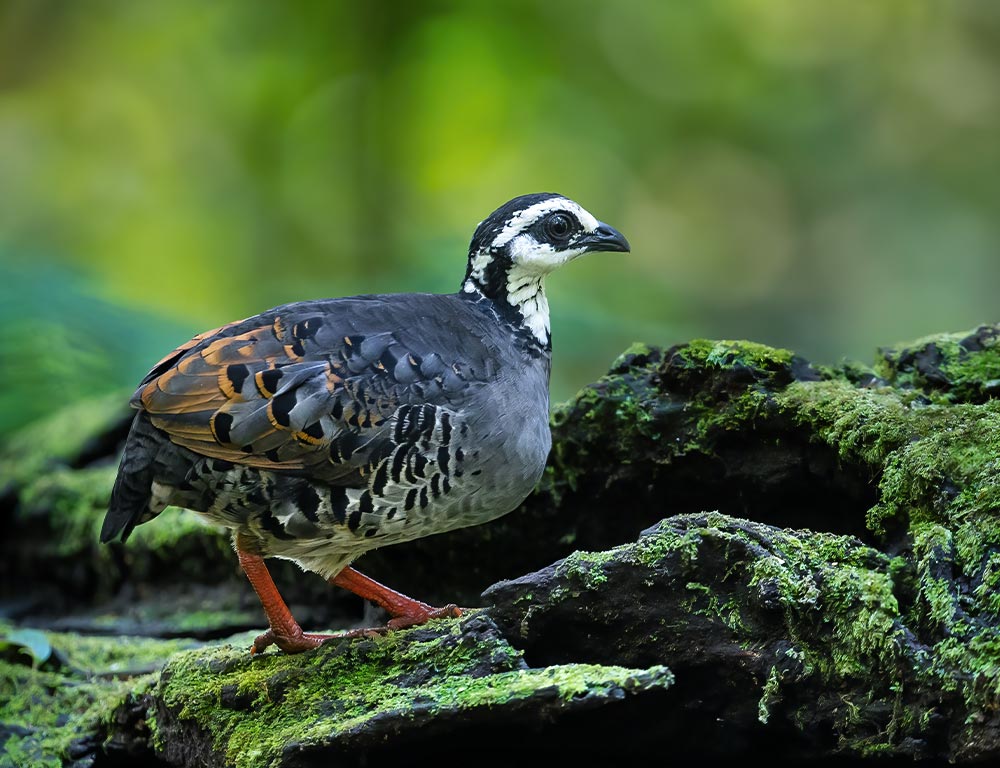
point(525, 239)
point(534, 234)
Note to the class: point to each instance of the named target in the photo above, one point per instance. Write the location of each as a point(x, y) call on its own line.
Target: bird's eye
point(558, 226)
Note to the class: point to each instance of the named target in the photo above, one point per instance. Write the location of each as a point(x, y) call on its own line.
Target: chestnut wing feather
point(282, 391)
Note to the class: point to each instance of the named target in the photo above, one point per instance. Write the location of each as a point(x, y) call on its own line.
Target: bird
point(322, 429)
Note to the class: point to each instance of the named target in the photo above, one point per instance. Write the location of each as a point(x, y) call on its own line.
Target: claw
point(411, 620)
point(306, 642)
point(296, 643)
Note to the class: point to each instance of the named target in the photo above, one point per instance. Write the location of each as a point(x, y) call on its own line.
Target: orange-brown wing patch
point(179, 352)
point(216, 451)
point(220, 370)
point(276, 395)
point(225, 400)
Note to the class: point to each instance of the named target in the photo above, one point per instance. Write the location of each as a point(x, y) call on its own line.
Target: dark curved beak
point(606, 239)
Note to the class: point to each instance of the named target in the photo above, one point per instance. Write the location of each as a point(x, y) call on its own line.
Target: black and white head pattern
point(521, 242)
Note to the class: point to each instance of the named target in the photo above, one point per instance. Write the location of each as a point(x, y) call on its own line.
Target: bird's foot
point(422, 614)
point(295, 642)
point(405, 611)
point(289, 637)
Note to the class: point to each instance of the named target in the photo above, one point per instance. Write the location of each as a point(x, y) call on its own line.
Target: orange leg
point(285, 631)
point(406, 611)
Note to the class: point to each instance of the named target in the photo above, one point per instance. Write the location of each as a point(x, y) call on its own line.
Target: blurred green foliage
point(820, 176)
point(59, 344)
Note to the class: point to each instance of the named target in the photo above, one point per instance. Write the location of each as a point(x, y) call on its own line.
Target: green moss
point(933, 547)
point(618, 407)
point(922, 451)
point(770, 695)
point(861, 424)
point(837, 596)
point(936, 458)
point(74, 695)
point(626, 410)
point(923, 426)
point(340, 689)
point(173, 526)
point(940, 465)
point(968, 666)
point(870, 631)
point(588, 569)
point(959, 366)
point(926, 433)
point(703, 600)
point(838, 603)
point(987, 592)
point(585, 568)
point(650, 550)
point(743, 376)
point(706, 353)
point(49, 713)
point(717, 417)
point(119, 655)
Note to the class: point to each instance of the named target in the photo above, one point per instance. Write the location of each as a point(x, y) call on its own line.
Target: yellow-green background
point(817, 175)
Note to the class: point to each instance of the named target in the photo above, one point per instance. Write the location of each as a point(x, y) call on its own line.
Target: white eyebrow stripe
point(523, 219)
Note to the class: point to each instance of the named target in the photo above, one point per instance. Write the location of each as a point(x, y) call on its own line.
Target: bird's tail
point(130, 498)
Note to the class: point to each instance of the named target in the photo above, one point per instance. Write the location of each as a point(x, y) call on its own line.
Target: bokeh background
point(820, 176)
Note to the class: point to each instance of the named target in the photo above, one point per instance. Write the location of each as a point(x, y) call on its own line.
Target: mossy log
point(452, 686)
point(821, 578)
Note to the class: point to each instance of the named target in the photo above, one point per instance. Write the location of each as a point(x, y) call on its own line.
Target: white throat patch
point(526, 292)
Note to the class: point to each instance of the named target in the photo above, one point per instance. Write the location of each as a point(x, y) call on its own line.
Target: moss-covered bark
point(71, 706)
point(842, 602)
point(385, 695)
point(793, 640)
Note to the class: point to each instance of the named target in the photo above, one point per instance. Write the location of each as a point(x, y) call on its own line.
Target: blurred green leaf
point(59, 343)
point(29, 642)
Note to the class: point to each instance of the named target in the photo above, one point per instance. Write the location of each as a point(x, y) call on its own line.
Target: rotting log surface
point(840, 603)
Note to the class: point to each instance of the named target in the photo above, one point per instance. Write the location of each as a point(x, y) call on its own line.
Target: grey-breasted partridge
point(319, 430)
